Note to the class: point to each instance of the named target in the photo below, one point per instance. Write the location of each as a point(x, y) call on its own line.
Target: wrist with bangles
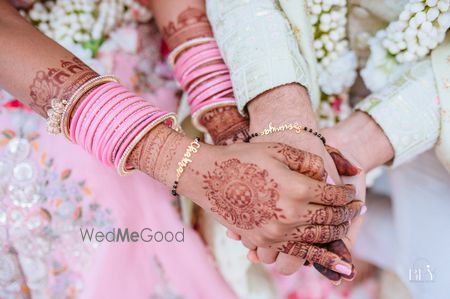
point(108, 122)
point(203, 77)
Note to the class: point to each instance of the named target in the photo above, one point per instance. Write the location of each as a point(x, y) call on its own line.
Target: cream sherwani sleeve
point(408, 111)
point(259, 46)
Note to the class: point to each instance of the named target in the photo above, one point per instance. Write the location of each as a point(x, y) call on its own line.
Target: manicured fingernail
point(363, 210)
point(330, 181)
point(343, 269)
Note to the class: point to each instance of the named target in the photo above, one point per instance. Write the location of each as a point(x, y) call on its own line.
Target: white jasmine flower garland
point(419, 29)
point(335, 59)
point(336, 62)
point(84, 23)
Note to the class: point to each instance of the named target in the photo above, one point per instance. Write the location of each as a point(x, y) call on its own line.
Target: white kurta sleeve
point(258, 46)
point(408, 112)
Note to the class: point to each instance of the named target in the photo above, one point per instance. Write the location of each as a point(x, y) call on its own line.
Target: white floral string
point(82, 25)
point(419, 29)
point(336, 62)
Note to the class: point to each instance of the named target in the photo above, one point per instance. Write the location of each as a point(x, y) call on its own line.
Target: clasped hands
point(274, 193)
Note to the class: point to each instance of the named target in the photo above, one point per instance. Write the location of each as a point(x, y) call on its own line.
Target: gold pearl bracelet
point(287, 127)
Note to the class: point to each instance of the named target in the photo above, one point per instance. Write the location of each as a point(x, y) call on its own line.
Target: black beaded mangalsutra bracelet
point(287, 127)
point(190, 150)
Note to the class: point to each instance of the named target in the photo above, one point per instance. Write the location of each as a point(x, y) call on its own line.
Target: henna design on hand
point(320, 233)
point(242, 193)
point(154, 153)
point(190, 23)
point(338, 247)
point(334, 195)
point(311, 253)
point(329, 215)
point(301, 161)
point(225, 125)
point(58, 82)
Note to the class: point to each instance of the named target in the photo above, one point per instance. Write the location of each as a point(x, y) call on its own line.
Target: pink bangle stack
point(109, 121)
point(207, 85)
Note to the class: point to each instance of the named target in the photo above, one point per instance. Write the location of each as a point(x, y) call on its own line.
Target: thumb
point(343, 165)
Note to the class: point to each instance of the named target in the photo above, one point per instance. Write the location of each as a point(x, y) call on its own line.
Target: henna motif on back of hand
point(242, 193)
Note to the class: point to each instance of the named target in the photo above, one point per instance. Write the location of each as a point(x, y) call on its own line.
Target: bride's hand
point(257, 191)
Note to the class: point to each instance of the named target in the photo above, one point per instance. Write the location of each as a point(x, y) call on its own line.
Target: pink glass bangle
point(103, 117)
point(112, 133)
point(204, 80)
point(210, 93)
point(86, 110)
point(193, 51)
point(212, 84)
point(102, 134)
point(181, 73)
point(97, 113)
point(139, 126)
point(126, 129)
point(168, 119)
point(81, 110)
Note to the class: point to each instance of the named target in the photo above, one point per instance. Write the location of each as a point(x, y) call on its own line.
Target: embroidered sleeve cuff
point(408, 112)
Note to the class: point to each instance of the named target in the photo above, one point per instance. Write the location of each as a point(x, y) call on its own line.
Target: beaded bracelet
point(190, 150)
point(287, 127)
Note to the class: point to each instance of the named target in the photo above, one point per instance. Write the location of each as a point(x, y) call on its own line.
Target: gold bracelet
point(121, 167)
point(58, 115)
point(185, 161)
point(287, 127)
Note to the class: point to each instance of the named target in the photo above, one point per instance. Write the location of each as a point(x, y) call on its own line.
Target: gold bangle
point(77, 95)
point(185, 161)
point(121, 167)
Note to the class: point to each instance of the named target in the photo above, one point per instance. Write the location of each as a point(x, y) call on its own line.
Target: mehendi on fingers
point(338, 247)
point(334, 195)
point(225, 125)
point(58, 82)
point(190, 23)
point(311, 253)
point(242, 193)
point(320, 233)
point(329, 215)
point(302, 162)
